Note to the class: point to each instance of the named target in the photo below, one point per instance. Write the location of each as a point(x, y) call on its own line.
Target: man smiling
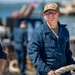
point(48, 48)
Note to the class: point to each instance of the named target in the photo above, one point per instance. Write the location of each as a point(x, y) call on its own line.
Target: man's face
point(51, 16)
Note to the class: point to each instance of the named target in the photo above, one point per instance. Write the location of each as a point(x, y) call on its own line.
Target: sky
point(19, 1)
point(15, 1)
point(11, 1)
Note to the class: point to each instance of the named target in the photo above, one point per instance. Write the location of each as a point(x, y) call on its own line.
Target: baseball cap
point(52, 6)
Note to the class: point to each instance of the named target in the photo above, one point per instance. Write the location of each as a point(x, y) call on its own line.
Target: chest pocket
point(49, 42)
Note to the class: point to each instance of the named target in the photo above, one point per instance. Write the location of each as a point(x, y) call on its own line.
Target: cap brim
point(49, 9)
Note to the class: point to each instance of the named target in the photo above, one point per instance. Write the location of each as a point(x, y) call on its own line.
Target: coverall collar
point(48, 30)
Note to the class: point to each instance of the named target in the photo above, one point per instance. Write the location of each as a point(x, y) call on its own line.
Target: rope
point(65, 69)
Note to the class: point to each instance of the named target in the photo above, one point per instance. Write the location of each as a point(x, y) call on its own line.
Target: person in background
point(20, 40)
point(48, 48)
point(3, 57)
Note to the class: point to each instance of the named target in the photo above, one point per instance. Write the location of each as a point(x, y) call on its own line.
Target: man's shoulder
point(65, 29)
point(64, 26)
point(39, 29)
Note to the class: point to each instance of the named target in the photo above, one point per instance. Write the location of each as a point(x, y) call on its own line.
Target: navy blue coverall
point(20, 39)
point(47, 52)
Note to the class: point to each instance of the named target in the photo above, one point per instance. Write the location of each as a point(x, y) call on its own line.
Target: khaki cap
point(52, 6)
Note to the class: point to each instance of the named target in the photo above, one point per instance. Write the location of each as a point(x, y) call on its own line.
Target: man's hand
point(51, 72)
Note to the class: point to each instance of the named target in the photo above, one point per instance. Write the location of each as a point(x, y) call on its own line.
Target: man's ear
point(45, 17)
point(59, 14)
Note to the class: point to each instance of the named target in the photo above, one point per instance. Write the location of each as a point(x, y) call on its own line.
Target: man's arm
point(25, 38)
point(70, 60)
point(34, 48)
